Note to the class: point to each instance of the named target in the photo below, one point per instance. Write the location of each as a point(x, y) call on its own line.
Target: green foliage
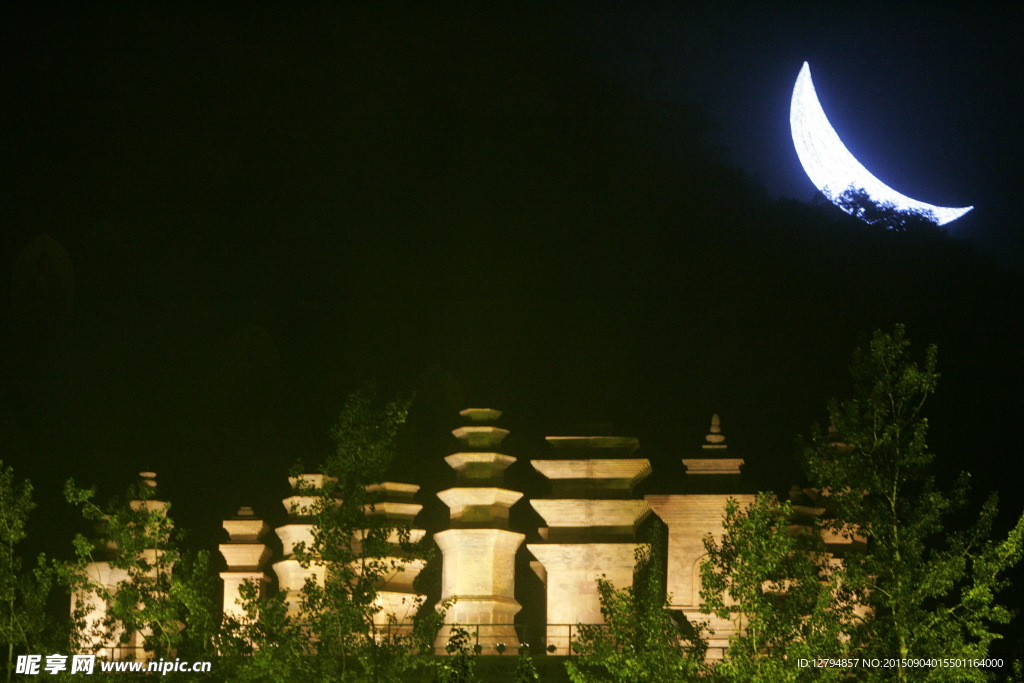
point(920, 589)
point(330, 634)
point(360, 549)
point(460, 663)
point(267, 644)
point(641, 639)
point(526, 669)
point(930, 590)
point(162, 599)
point(192, 593)
point(22, 595)
point(776, 587)
point(364, 437)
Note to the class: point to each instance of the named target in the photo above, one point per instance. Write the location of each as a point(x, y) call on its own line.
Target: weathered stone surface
point(309, 481)
point(292, 534)
point(233, 582)
point(301, 505)
point(572, 570)
point(479, 506)
point(595, 446)
point(479, 465)
point(480, 436)
point(394, 510)
point(626, 472)
point(713, 465)
point(478, 562)
point(480, 415)
point(394, 490)
point(245, 530)
point(479, 572)
point(244, 556)
point(689, 519)
point(586, 513)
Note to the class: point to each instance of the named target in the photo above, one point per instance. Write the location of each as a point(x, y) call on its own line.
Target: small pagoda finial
point(715, 437)
point(148, 479)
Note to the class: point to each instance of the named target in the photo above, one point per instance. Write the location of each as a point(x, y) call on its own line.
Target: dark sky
point(576, 215)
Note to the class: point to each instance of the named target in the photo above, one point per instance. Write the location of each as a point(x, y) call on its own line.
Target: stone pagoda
point(301, 508)
point(712, 477)
point(246, 555)
point(99, 572)
point(396, 597)
point(478, 550)
point(592, 518)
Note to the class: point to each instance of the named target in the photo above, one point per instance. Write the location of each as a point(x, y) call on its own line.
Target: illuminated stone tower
point(396, 597)
point(479, 550)
point(712, 478)
point(246, 556)
point(301, 505)
point(100, 573)
point(592, 519)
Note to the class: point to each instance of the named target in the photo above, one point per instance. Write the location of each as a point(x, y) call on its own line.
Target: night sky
point(574, 215)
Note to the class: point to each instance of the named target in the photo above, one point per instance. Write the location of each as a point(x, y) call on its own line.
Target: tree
point(22, 596)
point(641, 641)
point(526, 669)
point(360, 550)
point(459, 666)
point(334, 636)
point(776, 584)
point(859, 204)
point(267, 645)
point(928, 590)
point(133, 588)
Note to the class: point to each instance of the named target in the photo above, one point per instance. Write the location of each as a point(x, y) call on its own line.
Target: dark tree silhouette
point(859, 204)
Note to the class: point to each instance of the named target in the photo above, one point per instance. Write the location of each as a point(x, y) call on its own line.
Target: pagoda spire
point(714, 457)
point(714, 437)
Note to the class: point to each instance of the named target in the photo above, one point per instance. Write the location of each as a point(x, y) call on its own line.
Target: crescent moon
point(832, 168)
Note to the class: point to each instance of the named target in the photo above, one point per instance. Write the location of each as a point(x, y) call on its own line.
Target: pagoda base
point(572, 573)
point(397, 614)
point(233, 604)
point(489, 621)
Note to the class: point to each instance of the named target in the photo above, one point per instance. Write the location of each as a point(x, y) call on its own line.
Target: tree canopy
point(333, 633)
point(859, 204)
point(773, 581)
point(642, 640)
point(930, 587)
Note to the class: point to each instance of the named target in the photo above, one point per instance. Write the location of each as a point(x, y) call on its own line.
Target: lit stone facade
point(100, 573)
point(291, 575)
point(570, 573)
point(692, 516)
point(591, 534)
point(591, 515)
point(246, 556)
point(689, 519)
point(397, 599)
point(479, 550)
